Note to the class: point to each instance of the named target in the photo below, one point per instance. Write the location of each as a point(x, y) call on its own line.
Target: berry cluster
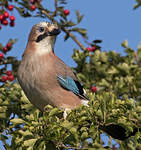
point(91, 49)
point(4, 16)
point(7, 77)
point(4, 50)
point(7, 47)
point(32, 4)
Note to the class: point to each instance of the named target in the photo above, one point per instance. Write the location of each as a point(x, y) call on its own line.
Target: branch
point(71, 147)
point(74, 38)
point(55, 5)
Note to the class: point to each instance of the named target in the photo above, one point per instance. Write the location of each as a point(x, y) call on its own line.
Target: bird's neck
point(44, 47)
point(39, 49)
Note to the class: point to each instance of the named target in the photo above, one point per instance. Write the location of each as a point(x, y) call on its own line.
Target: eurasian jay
point(44, 77)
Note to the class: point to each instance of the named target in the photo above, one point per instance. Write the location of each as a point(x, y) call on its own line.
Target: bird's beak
point(54, 32)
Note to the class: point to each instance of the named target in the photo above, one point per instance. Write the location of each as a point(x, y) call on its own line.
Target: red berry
point(1, 56)
point(93, 48)
point(12, 18)
point(66, 12)
point(4, 78)
point(1, 17)
point(0, 27)
point(10, 7)
point(5, 22)
point(9, 73)
point(88, 48)
point(10, 78)
point(9, 45)
point(93, 89)
point(5, 49)
point(12, 23)
point(6, 14)
point(32, 7)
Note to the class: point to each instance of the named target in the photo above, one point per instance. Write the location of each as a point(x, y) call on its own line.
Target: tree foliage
point(114, 107)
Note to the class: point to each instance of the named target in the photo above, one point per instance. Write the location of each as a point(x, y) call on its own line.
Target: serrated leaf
point(25, 133)
point(112, 70)
point(22, 12)
point(82, 31)
point(53, 111)
point(17, 121)
point(84, 135)
point(67, 124)
point(73, 130)
point(79, 17)
point(29, 142)
point(97, 41)
point(69, 24)
point(125, 44)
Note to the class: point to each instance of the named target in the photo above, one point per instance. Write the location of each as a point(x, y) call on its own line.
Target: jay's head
point(43, 36)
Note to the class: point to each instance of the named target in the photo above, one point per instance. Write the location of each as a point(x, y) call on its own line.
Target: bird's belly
point(42, 88)
point(36, 95)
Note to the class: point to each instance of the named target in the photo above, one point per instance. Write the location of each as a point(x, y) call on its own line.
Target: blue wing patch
point(72, 85)
point(68, 84)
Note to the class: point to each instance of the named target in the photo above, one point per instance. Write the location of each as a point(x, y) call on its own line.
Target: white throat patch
point(45, 46)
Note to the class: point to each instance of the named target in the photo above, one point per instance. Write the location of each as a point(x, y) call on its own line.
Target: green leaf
point(84, 135)
point(25, 133)
point(97, 41)
point(124, 44)
point(2, 115)
point(16, 121)
point(54, 111)
point(79, 17)
point(29, 142)
point(66, 124)
point(22, 12)
point(81, 31)
point(69, 24)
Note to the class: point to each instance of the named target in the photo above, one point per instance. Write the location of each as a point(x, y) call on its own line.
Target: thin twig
point(71, 147)
point(74, 38)
point(55, 5)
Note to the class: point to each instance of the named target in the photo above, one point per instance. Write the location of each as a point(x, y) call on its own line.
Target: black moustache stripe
point(41, 37)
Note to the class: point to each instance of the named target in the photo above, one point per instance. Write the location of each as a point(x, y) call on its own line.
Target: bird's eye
point(41, 29)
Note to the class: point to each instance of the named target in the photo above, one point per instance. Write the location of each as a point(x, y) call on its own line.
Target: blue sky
point(111, 21)
point(108, 20)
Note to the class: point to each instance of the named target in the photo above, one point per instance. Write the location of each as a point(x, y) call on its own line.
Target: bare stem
point(71, 147)
point(55, 5)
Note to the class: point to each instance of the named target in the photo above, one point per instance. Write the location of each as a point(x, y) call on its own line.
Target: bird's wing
point(68, 80)
point(69, 84)
point(62, 69)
